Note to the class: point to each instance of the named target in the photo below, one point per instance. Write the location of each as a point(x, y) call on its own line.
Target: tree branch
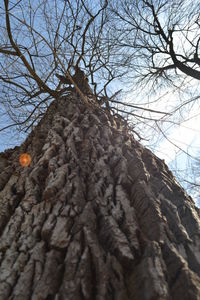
point(40, 83)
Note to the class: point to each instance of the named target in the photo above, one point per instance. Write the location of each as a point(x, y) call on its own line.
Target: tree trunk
point(95, 215)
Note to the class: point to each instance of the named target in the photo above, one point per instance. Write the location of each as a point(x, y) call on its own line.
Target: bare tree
point(139, 42)
point(47, 38)
point(161, 41)
point(86, 212)
point(44, 41)
point(162, 37)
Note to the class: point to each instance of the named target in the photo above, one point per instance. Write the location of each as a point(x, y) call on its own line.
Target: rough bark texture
point(95, 216)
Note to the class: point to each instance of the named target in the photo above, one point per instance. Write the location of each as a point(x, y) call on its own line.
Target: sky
point(183, 140)
point(186, 136)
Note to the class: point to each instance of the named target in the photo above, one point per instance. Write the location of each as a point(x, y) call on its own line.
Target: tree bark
point(95, 216)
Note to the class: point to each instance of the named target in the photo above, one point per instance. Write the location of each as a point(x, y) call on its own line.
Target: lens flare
point(25, 160)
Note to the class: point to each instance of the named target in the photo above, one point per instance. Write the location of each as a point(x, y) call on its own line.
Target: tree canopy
point(137, 41)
